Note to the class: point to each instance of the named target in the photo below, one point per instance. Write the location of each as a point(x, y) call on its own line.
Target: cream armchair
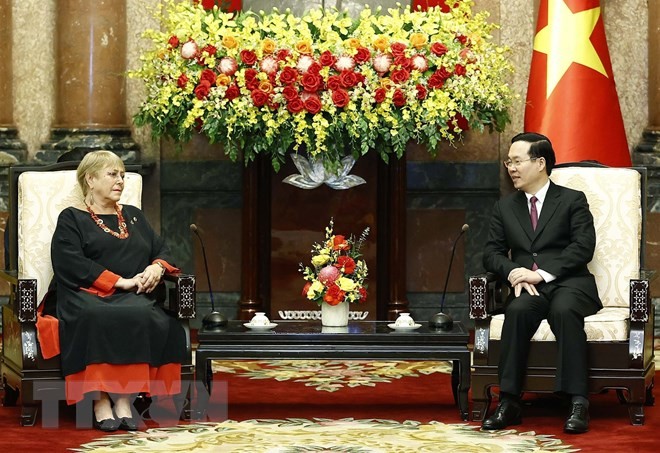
point(620, 336)
point(37, 196)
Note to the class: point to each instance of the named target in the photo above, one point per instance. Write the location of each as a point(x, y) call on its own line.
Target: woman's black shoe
point(108, 425)
point(128, 424)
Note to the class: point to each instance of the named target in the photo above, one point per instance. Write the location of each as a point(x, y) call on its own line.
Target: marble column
point(12, 150)
point(90, 80)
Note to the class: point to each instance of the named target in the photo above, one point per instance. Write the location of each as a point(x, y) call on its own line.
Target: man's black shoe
point(578, 421)
point(507, 413)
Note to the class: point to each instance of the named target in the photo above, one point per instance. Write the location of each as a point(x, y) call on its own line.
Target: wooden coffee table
point(361, 340)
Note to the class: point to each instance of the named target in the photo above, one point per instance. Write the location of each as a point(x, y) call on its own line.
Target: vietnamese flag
point(426, 4)
point(571, 96)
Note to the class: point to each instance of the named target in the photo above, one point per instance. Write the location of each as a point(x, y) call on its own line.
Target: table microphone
point(215, 318)
point(442, 320)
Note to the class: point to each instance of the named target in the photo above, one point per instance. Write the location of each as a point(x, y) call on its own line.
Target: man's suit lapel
point(521, 212)
point(550, 205)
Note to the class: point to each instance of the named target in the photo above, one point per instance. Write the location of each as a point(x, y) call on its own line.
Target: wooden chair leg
point(29, 414)
point(636, 412)
point(480, 403)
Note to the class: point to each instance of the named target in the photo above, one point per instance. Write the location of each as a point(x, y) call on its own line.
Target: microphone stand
point(442, 320)
point(215, 318)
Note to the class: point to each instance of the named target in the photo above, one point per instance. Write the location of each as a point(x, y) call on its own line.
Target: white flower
point(189, 50)
point(227, 66)
point(304, 63)
point(419, 62)
point(269, 65)
point(382, 63)
point(344, 63)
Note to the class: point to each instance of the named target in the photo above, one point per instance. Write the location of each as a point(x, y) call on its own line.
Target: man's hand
point(523, 278)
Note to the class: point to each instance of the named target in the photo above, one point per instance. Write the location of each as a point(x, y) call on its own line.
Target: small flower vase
point(334, 315)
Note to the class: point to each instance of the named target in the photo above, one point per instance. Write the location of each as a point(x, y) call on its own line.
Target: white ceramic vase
point(334, 315)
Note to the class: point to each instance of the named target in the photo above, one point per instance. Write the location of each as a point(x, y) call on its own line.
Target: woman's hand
point(129, 284)
point(149, 278)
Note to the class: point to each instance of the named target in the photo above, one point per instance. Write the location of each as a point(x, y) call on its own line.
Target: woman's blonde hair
point(93, 163)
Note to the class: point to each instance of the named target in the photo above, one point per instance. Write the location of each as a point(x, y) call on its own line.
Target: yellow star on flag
point(565, 40)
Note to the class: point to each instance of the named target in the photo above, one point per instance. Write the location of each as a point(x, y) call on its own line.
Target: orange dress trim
point(104, 285)
point(168, 267)
point(124, 379)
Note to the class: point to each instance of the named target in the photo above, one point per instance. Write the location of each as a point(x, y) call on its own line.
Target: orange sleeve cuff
point(104, 285)
point(48, 334)
point(168, 267)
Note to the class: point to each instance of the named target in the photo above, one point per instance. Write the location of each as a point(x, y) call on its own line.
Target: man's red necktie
point(534, 215)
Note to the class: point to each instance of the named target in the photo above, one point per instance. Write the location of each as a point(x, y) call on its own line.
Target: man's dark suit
point(562, 245)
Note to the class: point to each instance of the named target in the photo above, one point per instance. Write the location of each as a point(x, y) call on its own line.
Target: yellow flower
point(315, 290)
point(320, 260)
point(222, 80)
point(345, 284)
point(268, 46)
point(418, 40)
point(386, 83)
point(229, 42)
point(353, 43)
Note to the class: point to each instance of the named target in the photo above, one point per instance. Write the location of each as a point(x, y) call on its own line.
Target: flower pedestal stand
point(334, 315)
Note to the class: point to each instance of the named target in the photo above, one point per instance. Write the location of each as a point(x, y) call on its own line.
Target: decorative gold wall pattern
point(33, 59)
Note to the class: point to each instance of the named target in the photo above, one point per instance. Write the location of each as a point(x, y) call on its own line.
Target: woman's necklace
point(123, 232)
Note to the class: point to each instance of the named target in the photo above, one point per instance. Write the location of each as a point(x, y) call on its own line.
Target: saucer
point(404, 328)
point(262, 327)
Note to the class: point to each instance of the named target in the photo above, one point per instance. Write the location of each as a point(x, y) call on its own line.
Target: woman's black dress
point(122, 328)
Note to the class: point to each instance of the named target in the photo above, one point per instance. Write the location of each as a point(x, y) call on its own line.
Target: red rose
point(458, 121)
point(208, 75)
point(346, 264)
point(462, 38)
point(198, 124)
point(283, 54)
point(363, 55)
point(314, 68)
point(403, 62)
point(313, 104)
point(444, 73)
point(334, 295)
point(248, 57)
point(421, 92)
point(327, 59)
point(459, 70)
point(288, 76)
point(398, 48)
point(250, 74)
point(290, 92)
point(295, 105)
point(436, 81)
point(334, 83)
point(348, 79)
point(399, 76)
point(360, 78)
point(232, 92)
point(211, 50)
point(173, 41)
point(208, 4)
point(380, 95)
point(202, 90)
point(311, 82)
point(363, 295)
point(182, 81)
point(259, 97)
point(399, 98)
point(340, 98)
point(439, 49)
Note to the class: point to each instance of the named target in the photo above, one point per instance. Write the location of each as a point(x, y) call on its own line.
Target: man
point(541, 239)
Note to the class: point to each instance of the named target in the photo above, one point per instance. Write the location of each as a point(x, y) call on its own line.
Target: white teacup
point(404, 320)
point(260, 319)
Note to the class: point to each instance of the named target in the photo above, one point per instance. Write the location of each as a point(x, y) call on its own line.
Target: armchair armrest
point(485, 295)
point(23, 295)
point(182, 295)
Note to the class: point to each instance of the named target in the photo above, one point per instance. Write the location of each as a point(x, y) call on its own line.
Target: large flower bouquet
point(273, 83)
point(337, 273)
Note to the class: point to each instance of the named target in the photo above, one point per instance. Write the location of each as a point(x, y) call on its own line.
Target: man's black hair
point(540, 147)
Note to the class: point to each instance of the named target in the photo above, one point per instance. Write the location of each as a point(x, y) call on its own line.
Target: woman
point(114, 338)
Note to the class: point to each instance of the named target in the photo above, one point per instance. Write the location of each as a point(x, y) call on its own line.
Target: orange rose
point(222, 80)
point(304, 47)
point(339, 242)
point(386, 83)
point(381, 43)
point(229, 42)
point(266, 86)
point(418, 40)
point(268, 46)
point(353, 43)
